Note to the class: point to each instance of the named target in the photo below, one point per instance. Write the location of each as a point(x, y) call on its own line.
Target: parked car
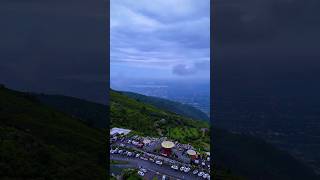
point(159, 162)
point(195, 172)
point(187, 169)
point(175, 167)
point(200, 174)
point(182, 168)
point(208, 177)
point(137, 155)
point(141, 173)
point(150, 159)
point(143, 170)
point(205, 176)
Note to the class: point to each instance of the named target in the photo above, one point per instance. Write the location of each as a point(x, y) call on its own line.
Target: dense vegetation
point(151, 121)
point(179, 108)
point(235, 156)
point(93, 114)
point(38, 142)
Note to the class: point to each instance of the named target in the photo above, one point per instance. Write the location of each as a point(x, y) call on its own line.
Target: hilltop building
point(115, 131)
point(167, 147)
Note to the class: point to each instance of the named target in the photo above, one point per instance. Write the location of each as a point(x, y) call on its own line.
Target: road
point(154, 169)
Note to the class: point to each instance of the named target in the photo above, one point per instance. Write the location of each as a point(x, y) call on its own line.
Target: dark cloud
point(197, 67)
point(183, 70)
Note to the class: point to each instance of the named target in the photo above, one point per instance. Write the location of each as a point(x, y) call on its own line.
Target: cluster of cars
point(132, 154)
point(136, 141)
point(195, 172)
point(124, 152)
point(201, 174)
point(142, 171)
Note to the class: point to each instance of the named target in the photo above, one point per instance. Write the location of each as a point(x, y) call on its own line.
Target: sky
point(260, 45)
point(267, 47)
point(160, 39)
point(56, 47)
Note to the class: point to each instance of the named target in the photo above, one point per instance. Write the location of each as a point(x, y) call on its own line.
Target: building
point(115, 131)
point(167, 147)
point(192, 154)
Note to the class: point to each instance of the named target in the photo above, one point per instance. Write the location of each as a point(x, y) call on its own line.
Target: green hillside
point(148, 120)
point(41, 140)
point(93, 114)
point(168, 105)
point(234, 155)
point(38, 142)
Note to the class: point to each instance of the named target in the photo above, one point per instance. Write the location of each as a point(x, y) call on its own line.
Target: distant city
point(196, 94)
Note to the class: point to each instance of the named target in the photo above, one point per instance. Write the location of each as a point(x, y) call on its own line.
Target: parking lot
point(151, 170)
point(175, 167)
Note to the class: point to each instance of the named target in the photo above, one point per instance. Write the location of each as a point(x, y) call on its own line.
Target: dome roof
point(191, 152)
point(167, 144)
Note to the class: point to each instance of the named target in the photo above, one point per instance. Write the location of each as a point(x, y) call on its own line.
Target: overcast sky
point(267, 47)
point(160, 39)
point(52, 46)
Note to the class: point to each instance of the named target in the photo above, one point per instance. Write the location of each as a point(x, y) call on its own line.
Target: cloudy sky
point(160, 39)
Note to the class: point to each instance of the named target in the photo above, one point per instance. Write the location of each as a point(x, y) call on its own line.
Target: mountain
point(234, 155)
point(40, 142)
point(148, 120)
point(253, 158)
point(168, 105)
point(91, 113)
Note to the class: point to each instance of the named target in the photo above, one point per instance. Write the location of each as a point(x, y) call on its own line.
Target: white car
point(137, 155)
point(164, 177)
point(143, 170)
point(195, 172)
point(187, 169)
point(143, 158)
point(120, 151)
point(203, 163)
point(150, 159)
point(174, 167)
point(141, 173)
point(129, 153)
point(208, 177)
point(205, 176)
point(159, 162)
point(200, 174)
point(182, 168)
point(196, 161)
